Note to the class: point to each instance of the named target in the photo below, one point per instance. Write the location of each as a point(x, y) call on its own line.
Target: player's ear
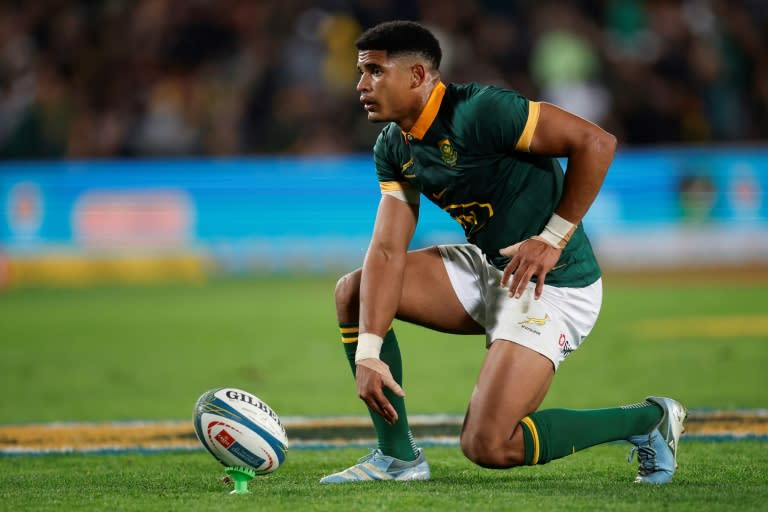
point(418, 75)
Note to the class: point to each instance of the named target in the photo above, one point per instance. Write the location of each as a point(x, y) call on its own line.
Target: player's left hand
point(372, 376)
point(532, 257)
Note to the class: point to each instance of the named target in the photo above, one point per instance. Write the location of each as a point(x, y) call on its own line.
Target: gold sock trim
point(349, 334)
point(535, 436)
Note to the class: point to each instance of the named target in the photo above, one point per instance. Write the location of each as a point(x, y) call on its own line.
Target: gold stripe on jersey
point(535, 436)
point(524, 142)
point(400, 190)
point(394, 186)
point(428, 115)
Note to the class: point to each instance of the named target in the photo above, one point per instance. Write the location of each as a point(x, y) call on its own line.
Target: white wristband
point(368, 346)
point(558, 231)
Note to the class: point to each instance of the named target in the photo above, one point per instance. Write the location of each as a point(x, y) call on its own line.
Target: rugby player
point(527, 277)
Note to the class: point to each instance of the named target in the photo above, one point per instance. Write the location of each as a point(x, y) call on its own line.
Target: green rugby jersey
point(468, 154)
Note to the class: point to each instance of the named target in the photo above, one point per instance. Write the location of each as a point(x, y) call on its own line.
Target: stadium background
point(181, 183)
point(163, 139)
point(221, 145)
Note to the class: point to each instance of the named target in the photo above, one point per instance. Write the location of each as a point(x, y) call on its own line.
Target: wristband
point(558, 231)
point(368, 346)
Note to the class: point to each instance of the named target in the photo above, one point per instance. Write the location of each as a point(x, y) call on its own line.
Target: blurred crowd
point(91, 78)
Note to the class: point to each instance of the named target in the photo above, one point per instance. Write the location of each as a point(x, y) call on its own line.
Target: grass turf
point(148, 352)
point(596, 479)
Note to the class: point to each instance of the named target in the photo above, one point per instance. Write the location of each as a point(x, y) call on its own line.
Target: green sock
point(394, 440)
point(554, 433)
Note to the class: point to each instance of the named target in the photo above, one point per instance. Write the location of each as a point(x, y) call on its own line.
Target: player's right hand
point(531, 257)
point(372, 376)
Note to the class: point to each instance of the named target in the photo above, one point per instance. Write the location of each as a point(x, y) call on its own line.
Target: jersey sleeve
point(390, 172)
point(506, 119)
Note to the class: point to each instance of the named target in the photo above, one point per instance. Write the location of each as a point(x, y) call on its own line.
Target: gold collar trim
point(428, 115)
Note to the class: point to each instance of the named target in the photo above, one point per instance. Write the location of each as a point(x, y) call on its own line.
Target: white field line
point(306, 432)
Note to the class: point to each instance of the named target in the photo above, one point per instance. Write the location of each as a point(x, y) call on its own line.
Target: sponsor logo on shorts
point(565, 346)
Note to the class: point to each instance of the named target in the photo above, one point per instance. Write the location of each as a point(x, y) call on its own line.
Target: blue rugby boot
point(657, 450)
point(377, 466)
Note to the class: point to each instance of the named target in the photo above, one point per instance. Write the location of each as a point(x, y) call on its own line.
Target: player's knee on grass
point(490, 450)
point(347, 296)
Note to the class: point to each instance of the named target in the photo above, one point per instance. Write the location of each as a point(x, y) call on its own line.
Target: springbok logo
point(535, 321)
point(407, 169)
point(447, 152)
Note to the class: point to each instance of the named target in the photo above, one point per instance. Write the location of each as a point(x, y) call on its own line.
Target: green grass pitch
point(148, 352)
point(716, 476)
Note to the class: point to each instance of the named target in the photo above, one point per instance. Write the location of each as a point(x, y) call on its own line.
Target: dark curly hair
point(398, 37)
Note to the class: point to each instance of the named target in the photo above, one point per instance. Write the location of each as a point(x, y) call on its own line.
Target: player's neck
point(420, 99)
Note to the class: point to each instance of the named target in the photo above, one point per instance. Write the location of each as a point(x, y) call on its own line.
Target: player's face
point(384, 86)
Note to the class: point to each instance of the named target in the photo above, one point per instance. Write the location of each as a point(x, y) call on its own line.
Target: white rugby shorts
point(554, 325)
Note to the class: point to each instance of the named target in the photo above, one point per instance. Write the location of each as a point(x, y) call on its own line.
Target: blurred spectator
point(565, 62)
point(85, 79)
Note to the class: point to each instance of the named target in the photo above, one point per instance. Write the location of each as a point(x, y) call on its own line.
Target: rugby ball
point(240, 429)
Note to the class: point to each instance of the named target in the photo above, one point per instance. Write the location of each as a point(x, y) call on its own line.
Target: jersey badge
point(447, 152)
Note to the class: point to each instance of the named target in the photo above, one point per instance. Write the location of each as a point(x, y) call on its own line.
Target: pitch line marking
point(304, 433)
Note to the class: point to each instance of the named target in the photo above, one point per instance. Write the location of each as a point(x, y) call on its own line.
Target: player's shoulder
point(388, 145)
point(390, 132)
point(389, 137)
point(479, 101)
point(477, 92)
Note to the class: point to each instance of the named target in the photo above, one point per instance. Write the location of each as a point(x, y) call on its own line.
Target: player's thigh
point(428, 297)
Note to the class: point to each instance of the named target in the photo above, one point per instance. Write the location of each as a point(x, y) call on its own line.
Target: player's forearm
point(380, 290)
point(587, 166)
point(589, 150)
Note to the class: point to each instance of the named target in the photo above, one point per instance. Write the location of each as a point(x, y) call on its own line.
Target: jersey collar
point(428, 115)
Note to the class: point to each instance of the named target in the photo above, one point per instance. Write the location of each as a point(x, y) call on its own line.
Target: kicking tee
point(468, 154)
